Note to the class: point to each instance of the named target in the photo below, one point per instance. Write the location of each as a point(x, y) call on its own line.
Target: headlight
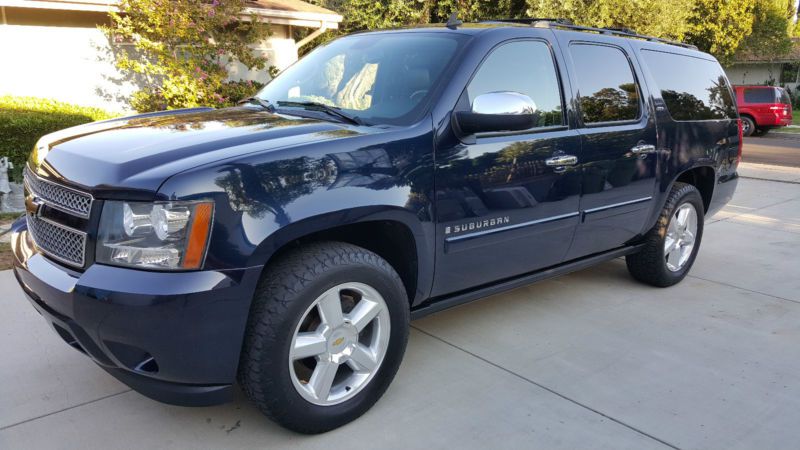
point(167, 236)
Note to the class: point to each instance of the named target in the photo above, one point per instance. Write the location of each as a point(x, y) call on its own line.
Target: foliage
point(23, 120)
point(719, 26)
point(229, 92)
point(666, 19)
point(182, 49)
point(371, 14)
point(770, 37)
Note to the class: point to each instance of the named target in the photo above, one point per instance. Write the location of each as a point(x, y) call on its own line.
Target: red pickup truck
point(763, 108)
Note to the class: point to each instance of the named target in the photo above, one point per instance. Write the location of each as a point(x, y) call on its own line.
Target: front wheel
point(671, 246)
point(326, 334)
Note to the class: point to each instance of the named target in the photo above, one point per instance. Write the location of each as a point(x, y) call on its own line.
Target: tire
point(653, 265)
point(748, 126)
point(288, 301)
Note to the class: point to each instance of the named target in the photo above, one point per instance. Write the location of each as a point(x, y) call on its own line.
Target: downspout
point(323, 27)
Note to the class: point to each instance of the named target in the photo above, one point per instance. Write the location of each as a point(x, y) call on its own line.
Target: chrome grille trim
point(60, 197)
point(57, 241)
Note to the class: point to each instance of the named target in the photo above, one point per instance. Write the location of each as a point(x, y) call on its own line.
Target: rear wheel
point(748, 126)
point(326, 334)
point(671, 246)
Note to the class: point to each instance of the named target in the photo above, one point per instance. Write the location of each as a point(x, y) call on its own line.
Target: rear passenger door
point(618, 144)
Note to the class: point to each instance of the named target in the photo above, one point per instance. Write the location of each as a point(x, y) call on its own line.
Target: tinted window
point(608, 91)
point(762, 95)
point(783, 97)
point(526, 67)
point(379, 78)
point(692, 88)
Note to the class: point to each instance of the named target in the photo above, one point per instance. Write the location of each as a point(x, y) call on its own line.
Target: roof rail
point(567, 25)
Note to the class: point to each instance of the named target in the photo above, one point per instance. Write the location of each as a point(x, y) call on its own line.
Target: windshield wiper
point(260, 102)
point(332, 110)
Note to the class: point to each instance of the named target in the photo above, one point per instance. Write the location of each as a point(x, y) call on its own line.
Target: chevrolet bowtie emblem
point(338, 341)
point(33, 205)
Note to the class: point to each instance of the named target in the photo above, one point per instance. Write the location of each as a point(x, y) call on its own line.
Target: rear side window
point(692, 88)
point(783, 97)
point(608, 91)
point(525, 67)
point(765, 95)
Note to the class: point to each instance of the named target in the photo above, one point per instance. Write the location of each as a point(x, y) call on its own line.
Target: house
point(761, 69)
point(53, 49)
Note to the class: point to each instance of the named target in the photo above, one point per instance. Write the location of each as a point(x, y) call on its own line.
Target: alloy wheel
point(339, 344)
point(681, 235)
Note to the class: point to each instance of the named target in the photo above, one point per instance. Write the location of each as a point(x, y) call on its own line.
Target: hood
point(140, 152)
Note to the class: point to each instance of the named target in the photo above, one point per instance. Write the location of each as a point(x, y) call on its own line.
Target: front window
point(379, 78)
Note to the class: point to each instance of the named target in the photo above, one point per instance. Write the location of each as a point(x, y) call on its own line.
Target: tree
point(770, 37)
point(181, 49)
point(719, 26)
point(665, 19)
point(715, 26)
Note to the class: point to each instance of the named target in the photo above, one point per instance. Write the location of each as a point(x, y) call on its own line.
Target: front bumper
point(173, 337)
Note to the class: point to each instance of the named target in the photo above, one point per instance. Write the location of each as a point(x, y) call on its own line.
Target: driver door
point(502, 207)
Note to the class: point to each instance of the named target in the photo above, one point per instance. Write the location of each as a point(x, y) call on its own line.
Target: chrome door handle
point(562, 160)
point(643, 148)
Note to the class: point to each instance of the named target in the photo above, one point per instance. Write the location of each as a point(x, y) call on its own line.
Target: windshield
point(379, 78)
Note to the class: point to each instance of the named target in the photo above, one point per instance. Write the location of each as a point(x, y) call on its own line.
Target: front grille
point(57, 241)
point(59, 197)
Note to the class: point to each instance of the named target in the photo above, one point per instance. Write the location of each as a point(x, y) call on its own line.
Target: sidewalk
point(770, 172)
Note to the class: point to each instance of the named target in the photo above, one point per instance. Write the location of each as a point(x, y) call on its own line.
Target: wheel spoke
point(669, 243)
point(682, 216)
point(362, 360)
point(673, 257)
point(688, 238)
point(330, 309)
point(363, 313)
point(307, 345)
point(322, 379)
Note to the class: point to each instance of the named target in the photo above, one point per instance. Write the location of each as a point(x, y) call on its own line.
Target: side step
point(442, 303)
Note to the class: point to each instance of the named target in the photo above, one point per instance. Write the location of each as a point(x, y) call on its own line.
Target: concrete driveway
point(589, 360)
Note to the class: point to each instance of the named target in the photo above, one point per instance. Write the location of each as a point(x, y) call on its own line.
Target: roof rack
point(566, 24)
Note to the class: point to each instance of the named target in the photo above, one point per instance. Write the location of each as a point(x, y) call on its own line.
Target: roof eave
point(296, 18)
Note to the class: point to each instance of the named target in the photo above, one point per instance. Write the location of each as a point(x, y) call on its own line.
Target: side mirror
point(498, 111)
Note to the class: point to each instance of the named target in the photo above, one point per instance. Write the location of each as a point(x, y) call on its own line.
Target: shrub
point(227, 94)
point(182, 49)
point(23, 120)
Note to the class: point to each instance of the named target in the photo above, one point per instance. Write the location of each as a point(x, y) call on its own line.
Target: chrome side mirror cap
point(505, 103)
point(497, 112)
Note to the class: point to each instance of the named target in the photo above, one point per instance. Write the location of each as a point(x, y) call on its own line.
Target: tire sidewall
point(284, 395)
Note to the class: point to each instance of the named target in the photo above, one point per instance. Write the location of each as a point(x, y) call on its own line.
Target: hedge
point(23, 120)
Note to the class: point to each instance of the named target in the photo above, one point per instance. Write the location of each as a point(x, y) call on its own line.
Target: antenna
point(453, 22)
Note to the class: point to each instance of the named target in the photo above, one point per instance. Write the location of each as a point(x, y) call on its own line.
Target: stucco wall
point(73, 64)
point(756, 73)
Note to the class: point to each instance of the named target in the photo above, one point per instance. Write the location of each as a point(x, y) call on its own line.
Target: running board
point(442, 303)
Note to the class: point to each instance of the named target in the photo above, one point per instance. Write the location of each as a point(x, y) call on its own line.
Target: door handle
point(561, 160)
point(643, 149)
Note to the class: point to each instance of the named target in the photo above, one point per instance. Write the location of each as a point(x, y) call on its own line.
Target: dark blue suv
point(288, 242)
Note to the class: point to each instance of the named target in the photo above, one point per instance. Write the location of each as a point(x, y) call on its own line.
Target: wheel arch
point(701, 177)
point(749, 116)
point(392, 233)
